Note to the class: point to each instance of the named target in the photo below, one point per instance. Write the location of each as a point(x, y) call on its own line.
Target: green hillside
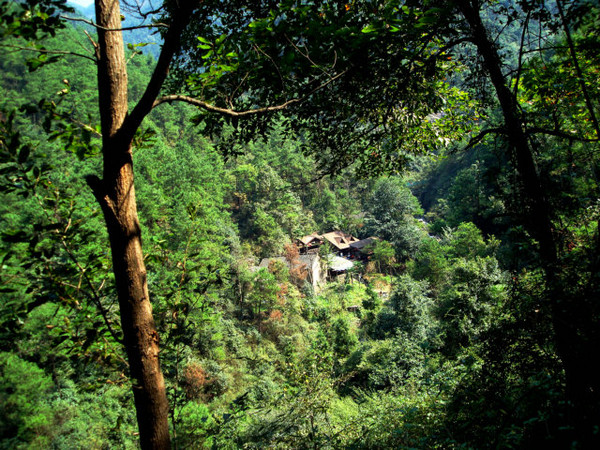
point(470, 320)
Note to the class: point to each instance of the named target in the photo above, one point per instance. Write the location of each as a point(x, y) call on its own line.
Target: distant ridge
point(85, 11)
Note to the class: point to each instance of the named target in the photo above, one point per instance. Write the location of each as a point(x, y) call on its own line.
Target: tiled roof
point(311, 237)
point(359, 245)
point(339, 239)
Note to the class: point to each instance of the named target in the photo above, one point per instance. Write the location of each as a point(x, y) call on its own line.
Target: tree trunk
point(572, 347)
point(116, 195)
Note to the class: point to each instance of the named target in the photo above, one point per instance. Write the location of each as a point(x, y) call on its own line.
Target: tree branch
point(161, 70)
point(50, 52)
point(521, 47)
point(94, 296)
point(94, 291)
point(260, 50)
point(95, 25)
point(79, 123)
point(137, 8)
point(560, 134)
point(249, 112)
point(224, 111)
point(308, 58)
point(578, 71)
point(450, 45)
point(94, 44)
point(477, 139)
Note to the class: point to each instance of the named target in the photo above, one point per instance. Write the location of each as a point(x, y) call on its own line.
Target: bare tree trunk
point(116, 195)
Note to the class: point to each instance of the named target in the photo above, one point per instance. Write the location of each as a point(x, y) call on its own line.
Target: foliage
point(391, 210)
point(461, 354)
point(24, 414)
point(334, 66)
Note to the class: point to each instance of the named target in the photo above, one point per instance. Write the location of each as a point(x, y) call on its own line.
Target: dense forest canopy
point(456, 141)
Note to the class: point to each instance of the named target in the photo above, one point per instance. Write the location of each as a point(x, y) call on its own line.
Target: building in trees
point(340, 241)
point(310, 243)
point(302, 268)
point(363, 248)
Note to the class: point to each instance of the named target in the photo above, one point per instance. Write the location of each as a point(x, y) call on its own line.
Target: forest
point(457, 140)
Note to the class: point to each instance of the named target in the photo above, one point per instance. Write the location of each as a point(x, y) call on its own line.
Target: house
point(345, 246)
point(360, 249)
point(338, 265)
point(310, 243)
point(340, 241)
point(312, 265)
point(307, 267)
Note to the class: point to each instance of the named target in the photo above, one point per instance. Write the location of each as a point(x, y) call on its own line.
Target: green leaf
point(15, 236)
point(24, 154)
point(369, 28)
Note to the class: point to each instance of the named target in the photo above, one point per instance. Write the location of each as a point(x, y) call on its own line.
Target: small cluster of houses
point(344, 244)
point(345, 250)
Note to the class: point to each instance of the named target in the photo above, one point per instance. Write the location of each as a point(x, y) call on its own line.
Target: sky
point(82, 2)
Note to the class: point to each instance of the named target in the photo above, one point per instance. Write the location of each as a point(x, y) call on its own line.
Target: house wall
point(316, 273)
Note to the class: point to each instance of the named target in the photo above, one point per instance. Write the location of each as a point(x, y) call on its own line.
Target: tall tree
point(115, 192)
point(575, 344)
point(582, 385)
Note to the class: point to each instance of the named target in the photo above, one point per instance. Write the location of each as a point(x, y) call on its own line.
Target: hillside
point(322, 275)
